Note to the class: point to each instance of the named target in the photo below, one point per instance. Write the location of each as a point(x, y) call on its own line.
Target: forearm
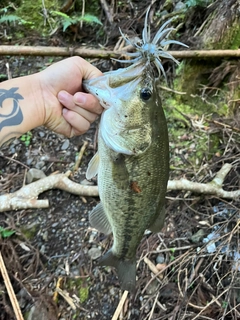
point(20, 107)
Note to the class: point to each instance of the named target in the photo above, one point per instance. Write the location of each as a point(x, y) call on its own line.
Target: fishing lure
point(151, 51)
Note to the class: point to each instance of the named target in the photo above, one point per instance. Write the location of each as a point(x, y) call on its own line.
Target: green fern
point(90, 19)
point(67, 21)
point(10, 18)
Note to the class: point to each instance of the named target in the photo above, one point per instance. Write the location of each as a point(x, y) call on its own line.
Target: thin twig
point(80, 155)
point(120, 305)
point(107, 11)
point(10, 290)
point(14, 160)
point(153, 268)
point(67, 298)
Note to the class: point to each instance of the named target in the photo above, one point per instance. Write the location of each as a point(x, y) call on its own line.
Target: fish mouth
point(115, 85)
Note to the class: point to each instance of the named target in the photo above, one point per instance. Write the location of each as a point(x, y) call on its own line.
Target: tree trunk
point(215, 81)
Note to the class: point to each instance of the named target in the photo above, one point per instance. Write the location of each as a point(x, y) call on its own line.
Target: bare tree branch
point(107, 54)
point(212, 188)
point(27, 196)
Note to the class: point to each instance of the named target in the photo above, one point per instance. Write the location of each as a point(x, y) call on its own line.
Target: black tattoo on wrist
point(11, 116)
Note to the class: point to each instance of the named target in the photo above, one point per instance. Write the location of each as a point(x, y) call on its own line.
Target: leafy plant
point(26, 138)
point(67, 21)
point(4, 233)
point(10, 18)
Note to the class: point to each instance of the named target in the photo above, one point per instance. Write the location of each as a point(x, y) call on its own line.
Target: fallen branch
point(212, 188)
point(153, 268)
point(80, 155)
point(57, 51)
point(27, 196)
point(107, 54)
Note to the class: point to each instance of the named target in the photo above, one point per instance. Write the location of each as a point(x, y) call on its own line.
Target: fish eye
point(145, 94)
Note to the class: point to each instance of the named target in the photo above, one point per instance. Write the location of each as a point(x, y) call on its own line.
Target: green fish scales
point(132, 162)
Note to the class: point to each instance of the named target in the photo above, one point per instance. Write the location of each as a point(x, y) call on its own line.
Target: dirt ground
point(55, 247)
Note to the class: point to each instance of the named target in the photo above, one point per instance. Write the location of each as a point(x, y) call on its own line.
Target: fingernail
point(79, 98)
point(62, 96)
point(64, 111)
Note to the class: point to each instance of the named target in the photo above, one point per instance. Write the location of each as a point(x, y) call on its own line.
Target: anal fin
point(98, 219)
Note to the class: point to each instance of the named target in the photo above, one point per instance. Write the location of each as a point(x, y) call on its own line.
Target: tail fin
point(126, 270)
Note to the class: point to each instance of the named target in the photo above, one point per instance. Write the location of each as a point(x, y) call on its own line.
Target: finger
point(80, 99)
point(67, 100)
point(87, 101)
point(78, 123)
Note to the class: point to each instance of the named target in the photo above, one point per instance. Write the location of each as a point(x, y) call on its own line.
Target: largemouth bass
point(132, 162)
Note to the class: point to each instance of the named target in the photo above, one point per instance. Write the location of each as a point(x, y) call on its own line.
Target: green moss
point(230, 39)
point(188, 140)
point(192, 78)
point(83, 294)
point(29, 231)
point(236, 36)
point(32, 13)
point(235, 102)
point(80, 287)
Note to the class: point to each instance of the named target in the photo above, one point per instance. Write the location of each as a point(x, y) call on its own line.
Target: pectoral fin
point(158, 223)
point(92, 169)
point(98, 219)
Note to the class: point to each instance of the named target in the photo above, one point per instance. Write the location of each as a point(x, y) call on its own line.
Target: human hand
point(68, 109)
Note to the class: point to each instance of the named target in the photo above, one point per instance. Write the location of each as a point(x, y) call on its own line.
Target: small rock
point(198, 236)
point(164, 13)
point(29, 161)
point(55, 224)
point(113, 291)
point(180, 6)
point(152, 287)
point(85, 182)
point(34, 175)
point(41, 134)
point(40, 164)
point(160, 259)
point(94, 253)
point(65, 144)
point(45, 158)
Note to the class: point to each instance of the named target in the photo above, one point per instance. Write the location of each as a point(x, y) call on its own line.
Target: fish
point(132, 162)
